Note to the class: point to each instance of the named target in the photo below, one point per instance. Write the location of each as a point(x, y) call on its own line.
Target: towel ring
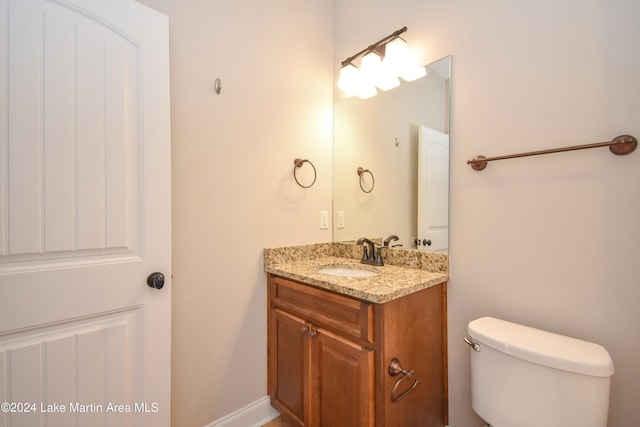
point(361, 172)
point(395, 369)
point(298, 164)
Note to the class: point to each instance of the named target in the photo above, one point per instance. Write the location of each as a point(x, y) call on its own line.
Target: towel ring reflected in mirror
point(361, 173)
point(298, 163)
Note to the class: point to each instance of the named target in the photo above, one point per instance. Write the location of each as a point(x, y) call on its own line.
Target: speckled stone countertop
point(404, 272)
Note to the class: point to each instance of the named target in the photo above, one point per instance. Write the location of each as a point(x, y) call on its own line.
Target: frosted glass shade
point(370, 67)
point(354, 82)
point(365, 91)
point(377, 73)
point(348, 80)
point(386, 82)
point(396, 55)
point(403, 61)
point(414, 73)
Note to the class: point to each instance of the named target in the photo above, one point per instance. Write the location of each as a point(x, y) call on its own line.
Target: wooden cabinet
point(329, 357)
point(290, 365)
point(342, 382)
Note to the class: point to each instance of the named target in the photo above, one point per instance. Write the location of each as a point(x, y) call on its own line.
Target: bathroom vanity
point(356, 351)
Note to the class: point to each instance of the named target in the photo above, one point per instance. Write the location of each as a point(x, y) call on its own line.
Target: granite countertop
point(391, 282)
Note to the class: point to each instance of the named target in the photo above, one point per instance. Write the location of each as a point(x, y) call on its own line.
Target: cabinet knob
point(309, 330)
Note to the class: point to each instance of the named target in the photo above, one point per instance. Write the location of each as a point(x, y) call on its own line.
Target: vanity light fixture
point(381, 66)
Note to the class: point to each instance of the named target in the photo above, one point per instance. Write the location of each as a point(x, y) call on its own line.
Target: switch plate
point(340, 219)
point(324, 220)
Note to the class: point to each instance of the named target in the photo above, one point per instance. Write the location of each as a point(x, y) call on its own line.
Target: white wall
point(550, 241)
point(233, 188)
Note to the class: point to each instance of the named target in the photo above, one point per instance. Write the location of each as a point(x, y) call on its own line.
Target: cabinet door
point(289, 365)
point(342, 382)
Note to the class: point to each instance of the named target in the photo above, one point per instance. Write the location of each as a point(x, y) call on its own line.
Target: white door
point(433, 190)
point(84, 214)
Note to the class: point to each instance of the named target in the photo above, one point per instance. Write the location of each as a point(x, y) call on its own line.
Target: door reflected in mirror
point(402, 138)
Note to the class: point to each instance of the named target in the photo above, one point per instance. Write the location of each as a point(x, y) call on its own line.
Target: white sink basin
point(347, 272)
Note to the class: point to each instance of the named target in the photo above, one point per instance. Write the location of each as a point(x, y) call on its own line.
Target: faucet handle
point(390, 239)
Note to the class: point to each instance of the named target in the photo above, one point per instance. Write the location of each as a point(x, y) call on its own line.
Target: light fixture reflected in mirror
point(381, 66)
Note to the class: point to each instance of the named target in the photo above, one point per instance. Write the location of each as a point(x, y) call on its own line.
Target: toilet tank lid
point(542, 347)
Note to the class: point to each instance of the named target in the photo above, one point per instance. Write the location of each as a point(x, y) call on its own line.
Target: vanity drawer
point(323, 308)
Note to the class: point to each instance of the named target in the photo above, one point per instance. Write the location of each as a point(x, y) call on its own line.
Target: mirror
point(391, 163)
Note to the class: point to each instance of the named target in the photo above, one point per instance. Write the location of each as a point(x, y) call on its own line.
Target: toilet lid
point(542, 347)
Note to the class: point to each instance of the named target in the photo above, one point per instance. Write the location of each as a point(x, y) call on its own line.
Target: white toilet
point(526, 377)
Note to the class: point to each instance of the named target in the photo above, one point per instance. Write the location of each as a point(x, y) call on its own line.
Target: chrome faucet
point(371, 255)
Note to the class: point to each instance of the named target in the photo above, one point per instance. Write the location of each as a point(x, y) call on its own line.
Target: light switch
point(324, 220)
point(340, 219)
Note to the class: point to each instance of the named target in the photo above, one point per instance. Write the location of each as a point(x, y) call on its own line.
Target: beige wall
point(233, 188)
point(552, 241)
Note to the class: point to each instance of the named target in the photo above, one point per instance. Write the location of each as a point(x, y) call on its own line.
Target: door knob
point(426, 242)
point(155, 280)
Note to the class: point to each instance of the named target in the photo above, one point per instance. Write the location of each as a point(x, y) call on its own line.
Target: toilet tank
point(526, 377)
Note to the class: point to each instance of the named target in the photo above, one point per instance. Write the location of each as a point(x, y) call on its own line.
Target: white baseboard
point(254, 414)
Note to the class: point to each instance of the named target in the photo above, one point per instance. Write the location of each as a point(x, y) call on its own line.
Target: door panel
point(344, 386)
point(433, 190)
point(289, 361)
point(73, 131)
point(92, 358)
point(84, 212)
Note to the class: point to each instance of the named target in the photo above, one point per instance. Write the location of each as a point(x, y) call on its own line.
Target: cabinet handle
point(309, 330)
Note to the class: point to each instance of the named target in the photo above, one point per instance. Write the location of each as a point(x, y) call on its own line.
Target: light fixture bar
point(374, 46)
